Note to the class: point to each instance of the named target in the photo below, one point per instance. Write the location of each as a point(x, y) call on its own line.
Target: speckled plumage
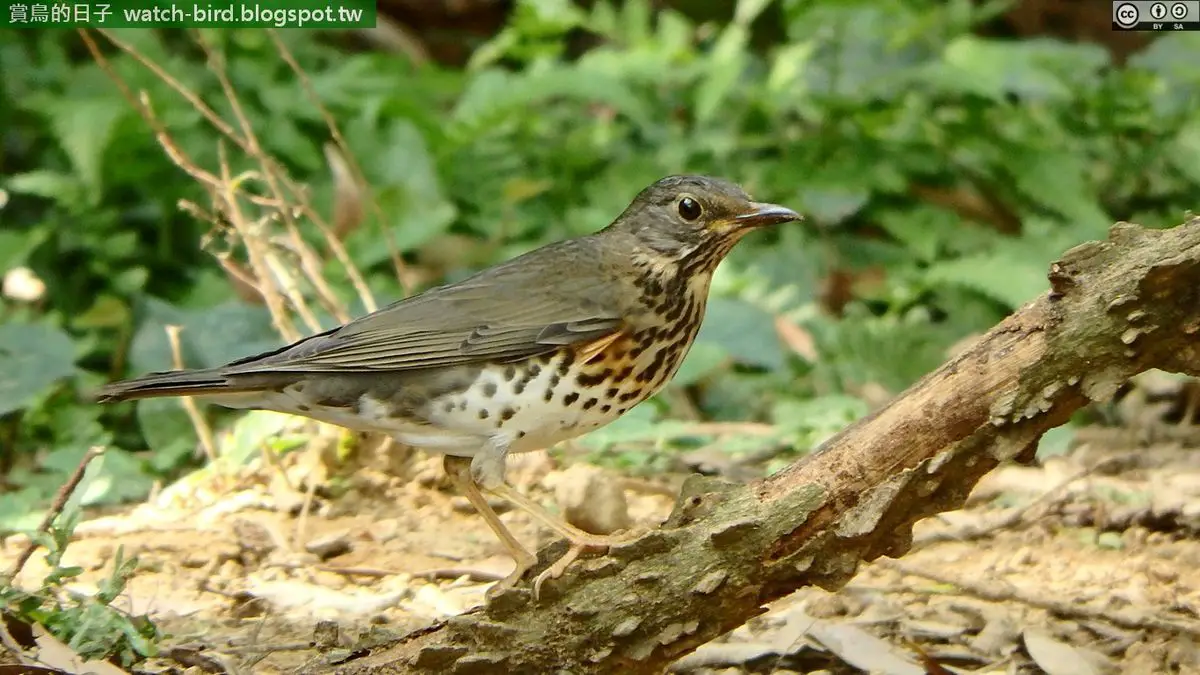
point(539, 349)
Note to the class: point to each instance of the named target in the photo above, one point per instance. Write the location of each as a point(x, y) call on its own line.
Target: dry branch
point(56, 508)
point(1115, 308)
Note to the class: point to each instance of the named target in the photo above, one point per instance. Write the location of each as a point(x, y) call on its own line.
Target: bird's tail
point(171, 383)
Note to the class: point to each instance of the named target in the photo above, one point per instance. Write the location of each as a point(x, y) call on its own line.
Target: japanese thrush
point(542, 348)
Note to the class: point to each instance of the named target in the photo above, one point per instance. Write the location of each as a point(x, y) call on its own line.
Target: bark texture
point(1115, 308)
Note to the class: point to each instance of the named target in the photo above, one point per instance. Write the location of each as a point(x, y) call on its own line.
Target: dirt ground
point(1088, 564)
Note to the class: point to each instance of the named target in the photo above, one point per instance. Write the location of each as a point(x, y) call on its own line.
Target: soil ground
point(1086, 564)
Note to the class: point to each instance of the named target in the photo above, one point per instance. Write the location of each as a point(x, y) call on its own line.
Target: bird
point(542, 348)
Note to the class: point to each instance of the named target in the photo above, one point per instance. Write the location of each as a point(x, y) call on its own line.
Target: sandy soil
point(1088, 564)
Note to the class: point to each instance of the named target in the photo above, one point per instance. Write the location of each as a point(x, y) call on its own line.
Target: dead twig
point(438, 573)
point(479, 576)
point(188, 95)
point(257, 649)
point(56, 507)
point(203, 431)
point(1001, 591)
point(1014, 517)
point(343, 158)
point(731, 428)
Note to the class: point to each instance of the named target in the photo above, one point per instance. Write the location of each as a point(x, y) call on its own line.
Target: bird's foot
point(523, 562)
point(557, 569)
point(581, 541)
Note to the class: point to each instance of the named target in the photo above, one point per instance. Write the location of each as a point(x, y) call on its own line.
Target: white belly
point(504, 405)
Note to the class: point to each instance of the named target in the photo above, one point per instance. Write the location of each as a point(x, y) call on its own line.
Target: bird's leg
point(487, 470)
point(578, 539)
point(458, 470)
point(564, 529)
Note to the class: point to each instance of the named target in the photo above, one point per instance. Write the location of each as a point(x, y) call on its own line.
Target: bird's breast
point(563, 394)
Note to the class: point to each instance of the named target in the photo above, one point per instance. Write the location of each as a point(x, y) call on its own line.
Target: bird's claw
point(523, 565)
point(557, 569)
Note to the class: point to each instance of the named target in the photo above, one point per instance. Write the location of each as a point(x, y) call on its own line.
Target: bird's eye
point(689, 208)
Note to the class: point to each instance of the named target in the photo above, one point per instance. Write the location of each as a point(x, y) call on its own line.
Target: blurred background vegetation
point(944, 152)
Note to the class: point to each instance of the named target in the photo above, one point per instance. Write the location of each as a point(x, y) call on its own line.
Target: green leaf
point(494, 95)
point(249, 434)
point(164, 424)
point(1184, 152)
point(150, 350)
point(819, 417)
point(17, 245)
point(1012, 280)
point(21, 509)
point(1057, 180)
point(744, 331)
point(107, 311)
point(210, 337)
point(1170, 58)
point(84, 128)
point(1056, 442)
point(424, 212)
point(703, 359)
point(1034, 69)
point(32, 358)
point(748, 10)
point(891, 350)
point(863, 50)
point(62, 188)
point(726, 64)
point(924, 230)
point(638, 424)
point(112, 478)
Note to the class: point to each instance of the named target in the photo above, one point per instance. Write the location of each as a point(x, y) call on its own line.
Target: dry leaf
point(1056, 657)
point(54, 653)
point(860, 649)
point(796, 338)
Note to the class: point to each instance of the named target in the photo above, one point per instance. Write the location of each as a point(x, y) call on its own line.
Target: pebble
point(592, 499)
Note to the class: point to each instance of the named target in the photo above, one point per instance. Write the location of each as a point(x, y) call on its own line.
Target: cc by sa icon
point(1150, 16)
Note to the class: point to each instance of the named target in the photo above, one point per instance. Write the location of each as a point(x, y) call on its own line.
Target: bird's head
point(681, 215)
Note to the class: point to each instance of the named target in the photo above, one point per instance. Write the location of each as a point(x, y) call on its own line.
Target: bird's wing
point(480, 319)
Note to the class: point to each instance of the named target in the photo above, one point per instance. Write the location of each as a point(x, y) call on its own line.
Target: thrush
point(542, 348)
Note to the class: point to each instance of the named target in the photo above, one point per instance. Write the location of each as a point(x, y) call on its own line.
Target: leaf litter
point(1082, 566)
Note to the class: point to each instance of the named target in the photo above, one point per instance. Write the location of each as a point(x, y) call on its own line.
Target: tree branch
point(1115, 308)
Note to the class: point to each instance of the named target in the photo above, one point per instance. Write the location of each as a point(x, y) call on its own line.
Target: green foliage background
point(851, 112)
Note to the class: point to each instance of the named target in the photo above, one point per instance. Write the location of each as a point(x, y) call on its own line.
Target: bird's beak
point(761, 214)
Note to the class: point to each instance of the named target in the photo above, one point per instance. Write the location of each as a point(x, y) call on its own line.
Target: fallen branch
point(999, 591)
point(1014, 517)
point(1115, 308)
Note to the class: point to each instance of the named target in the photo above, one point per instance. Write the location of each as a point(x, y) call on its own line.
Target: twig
point(1004, 592)
point(258, 250)
point(392, 35)
point(480, 576)
point(281, 187)
point(273, 175)
point(56, 507)
point(255, 649)
point(346, 156)
point(337, 248)
point(476, 575)
point(305, 509)
point(291, 290)
point(255, 251)
point(190, 96)
point(1015, 516)
point(203, 431)
point(310, 264)
point(728, 428)
point(141, 105)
